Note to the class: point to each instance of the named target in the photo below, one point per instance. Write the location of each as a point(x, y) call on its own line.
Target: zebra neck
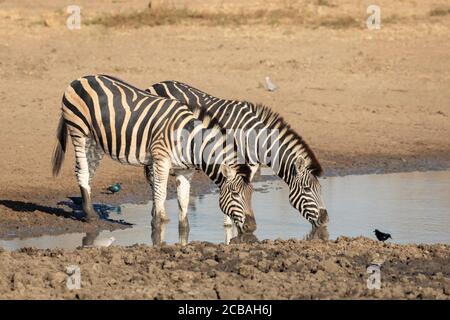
point(257, 142)
point(282, 155)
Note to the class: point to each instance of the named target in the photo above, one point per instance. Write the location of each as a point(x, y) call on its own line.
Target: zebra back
point(131, 125)
point(245, 118)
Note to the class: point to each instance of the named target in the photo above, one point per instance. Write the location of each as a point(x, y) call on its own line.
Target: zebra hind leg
point(84, 172)
point(157, 175)
point(94, 155)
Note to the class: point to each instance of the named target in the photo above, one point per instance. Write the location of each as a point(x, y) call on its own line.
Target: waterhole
point(413, 207)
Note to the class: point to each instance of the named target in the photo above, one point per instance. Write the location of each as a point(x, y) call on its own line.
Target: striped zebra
point(280, 147)
point(105, 115)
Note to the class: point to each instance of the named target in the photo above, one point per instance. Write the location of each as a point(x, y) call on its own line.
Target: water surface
point(414, 207)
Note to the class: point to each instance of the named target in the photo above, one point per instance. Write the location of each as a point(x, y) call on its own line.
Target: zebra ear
point(227, 171)
point(300, 164)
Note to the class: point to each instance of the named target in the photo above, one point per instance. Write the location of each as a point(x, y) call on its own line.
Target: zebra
point(105, 115)
point(286, 152)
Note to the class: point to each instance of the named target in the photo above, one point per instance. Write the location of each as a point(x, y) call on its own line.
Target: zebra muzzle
point(323, 217)
point(249, 224)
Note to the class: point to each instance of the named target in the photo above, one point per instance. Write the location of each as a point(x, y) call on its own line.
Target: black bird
point(381, 235)
point(78, 201)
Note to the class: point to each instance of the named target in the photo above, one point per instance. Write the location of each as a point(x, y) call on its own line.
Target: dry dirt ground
point(366, 101)
point(288, 269)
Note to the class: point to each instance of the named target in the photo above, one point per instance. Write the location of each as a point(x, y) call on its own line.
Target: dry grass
point(440, 12)
point(165, 16)
point(339, 22)
point(325, 3)
point(285, 15)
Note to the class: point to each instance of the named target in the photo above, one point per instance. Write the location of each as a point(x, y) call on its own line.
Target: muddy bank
point(289, 269)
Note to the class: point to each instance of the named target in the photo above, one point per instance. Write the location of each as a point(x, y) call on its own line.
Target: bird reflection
point(320, 233)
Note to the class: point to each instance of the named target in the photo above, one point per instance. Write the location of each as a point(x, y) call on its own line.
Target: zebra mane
point(209, 122)
point(273, 119)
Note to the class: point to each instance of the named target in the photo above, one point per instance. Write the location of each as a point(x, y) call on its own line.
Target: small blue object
point(116, 187)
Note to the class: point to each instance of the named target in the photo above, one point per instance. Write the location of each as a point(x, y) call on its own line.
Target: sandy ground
point(268, 270)
point(366, 101)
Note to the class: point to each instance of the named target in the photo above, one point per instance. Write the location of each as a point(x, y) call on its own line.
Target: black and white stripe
point(105, 115)
point(264, 138)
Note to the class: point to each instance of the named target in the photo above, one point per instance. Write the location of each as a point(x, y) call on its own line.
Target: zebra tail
point(60, 147)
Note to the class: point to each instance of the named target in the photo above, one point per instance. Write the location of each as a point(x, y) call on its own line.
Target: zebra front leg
point(159, 175)
point(183, 233)
point(183, 192)
point(227, 222)
point(230, 233)
point(158, 231)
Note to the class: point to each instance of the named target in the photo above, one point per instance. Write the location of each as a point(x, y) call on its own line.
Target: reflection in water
point(159, 232)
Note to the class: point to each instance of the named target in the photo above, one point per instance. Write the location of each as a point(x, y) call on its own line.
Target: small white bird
point(270, 86)
point(103, 242)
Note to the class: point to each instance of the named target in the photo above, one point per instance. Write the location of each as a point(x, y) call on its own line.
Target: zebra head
point(236, 195)
point(305, 193)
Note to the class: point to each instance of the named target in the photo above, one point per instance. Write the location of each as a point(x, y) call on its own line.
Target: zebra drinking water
point(105, 115)
point(264, 138)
